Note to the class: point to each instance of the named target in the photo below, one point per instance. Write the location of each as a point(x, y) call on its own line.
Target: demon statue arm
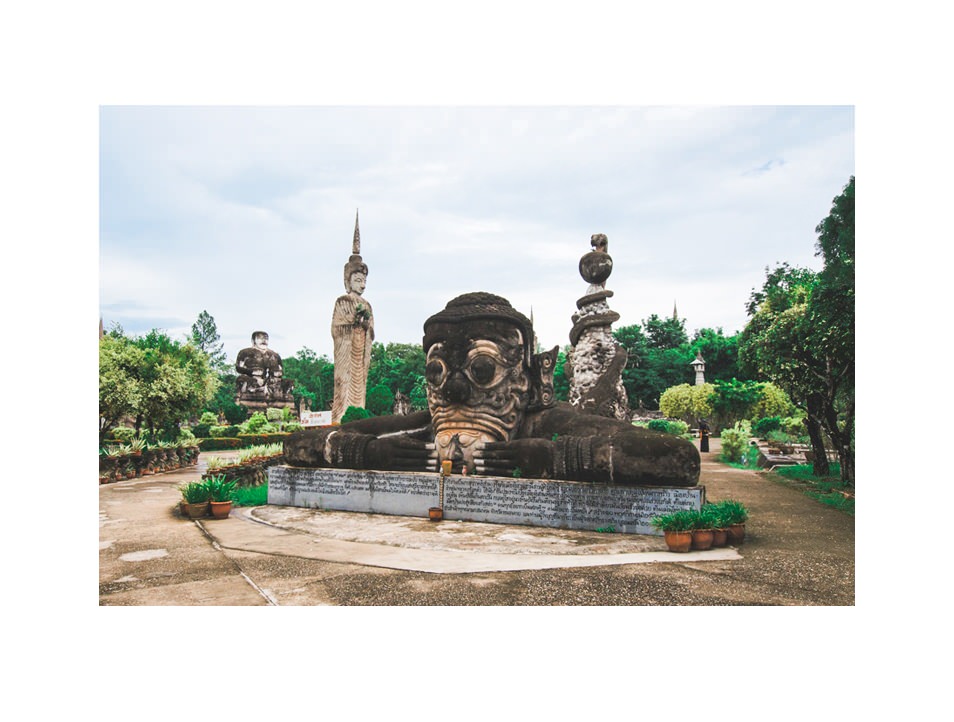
point(399, 443)
point(562, 443)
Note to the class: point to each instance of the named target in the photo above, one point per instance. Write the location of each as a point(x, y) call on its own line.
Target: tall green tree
point(205, 337)
point(656, 359)
point(663, 333)
point(314, 378)
point(119, 382)
point(776, 345)
point(224, 399)
point(176, 379)
point(157, 381)
point(801, 335)
point(832, 317)
point(398, 366)
point(720, 352)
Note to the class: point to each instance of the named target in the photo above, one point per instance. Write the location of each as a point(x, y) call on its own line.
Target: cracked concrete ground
point(796, 552)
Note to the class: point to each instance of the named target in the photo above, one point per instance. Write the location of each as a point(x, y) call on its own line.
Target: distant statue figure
point(352, 328)
point(402, 404)
point(259, 383)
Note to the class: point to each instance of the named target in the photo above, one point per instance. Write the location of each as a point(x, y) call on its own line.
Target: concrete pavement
point(797, 552)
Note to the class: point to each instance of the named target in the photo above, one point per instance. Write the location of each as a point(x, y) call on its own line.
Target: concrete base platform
point(534, 502)
point(447, 547)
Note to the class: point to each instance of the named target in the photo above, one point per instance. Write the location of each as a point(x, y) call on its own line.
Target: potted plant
point(733, 515)
point(702, 531)
point(148, 460)
point(164, 453)
point(195, 499)
point(718, 521)
point(108, 459)
point(220, 493)
point(677, 529)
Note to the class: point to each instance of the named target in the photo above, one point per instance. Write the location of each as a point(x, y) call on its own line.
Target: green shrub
point(124, 434)
point(355, 413)
point(678, 428)
point(262, 439)
point(201, 431)
point(256, 422)
point(293, 426)
point(687, 402)
point(208, 418)
point(760, 427)
point(659, 425)
point(273, 415)
point(224, 443)
point(772, 401)
point(735, 441)
point(794, 425)
point(217, 432)
point(779, 437)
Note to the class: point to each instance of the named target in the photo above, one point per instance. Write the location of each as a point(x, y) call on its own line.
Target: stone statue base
point(260, 405)
point(530, 502)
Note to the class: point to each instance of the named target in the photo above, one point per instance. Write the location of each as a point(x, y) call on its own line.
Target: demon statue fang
point(491, 408)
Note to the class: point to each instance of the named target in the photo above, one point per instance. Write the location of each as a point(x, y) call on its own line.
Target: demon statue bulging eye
point(477, 388)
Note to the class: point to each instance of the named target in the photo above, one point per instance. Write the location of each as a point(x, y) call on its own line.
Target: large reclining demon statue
point(491, 408)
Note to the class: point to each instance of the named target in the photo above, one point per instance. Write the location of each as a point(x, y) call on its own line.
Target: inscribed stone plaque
point(533, 502)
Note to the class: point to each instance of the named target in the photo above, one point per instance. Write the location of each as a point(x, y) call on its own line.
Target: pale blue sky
point(248, 211)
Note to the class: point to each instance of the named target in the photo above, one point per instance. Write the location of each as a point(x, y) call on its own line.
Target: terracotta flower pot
point(736, 533)
point(701, 539)
point(221, 509)
point(435, 513)
point(720, 537)
point(678, 541)
point(197, 511)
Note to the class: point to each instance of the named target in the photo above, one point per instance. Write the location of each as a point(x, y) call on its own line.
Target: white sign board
point(316, 418)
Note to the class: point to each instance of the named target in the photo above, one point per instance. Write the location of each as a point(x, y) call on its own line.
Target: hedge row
point(242, 441)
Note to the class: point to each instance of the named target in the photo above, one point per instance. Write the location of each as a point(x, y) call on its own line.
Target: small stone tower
point(699, 366)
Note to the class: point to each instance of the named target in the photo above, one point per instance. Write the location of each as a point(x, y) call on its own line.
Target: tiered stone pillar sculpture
point(596, 362)
point(352, 328)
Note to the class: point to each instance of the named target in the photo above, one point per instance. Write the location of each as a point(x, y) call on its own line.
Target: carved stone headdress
point(355, 264)
point(481, 306)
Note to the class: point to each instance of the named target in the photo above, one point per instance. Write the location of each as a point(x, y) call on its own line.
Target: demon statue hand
point(491, 408)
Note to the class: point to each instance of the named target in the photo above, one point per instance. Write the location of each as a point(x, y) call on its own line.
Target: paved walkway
point(797, 552)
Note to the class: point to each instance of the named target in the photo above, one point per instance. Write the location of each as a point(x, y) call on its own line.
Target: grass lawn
point(251, 496)
point(827, 489)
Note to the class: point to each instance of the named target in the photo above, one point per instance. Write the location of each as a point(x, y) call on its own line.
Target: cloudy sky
point(248, 212)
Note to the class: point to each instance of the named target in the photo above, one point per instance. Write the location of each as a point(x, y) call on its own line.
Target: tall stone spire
point(675, 313)
point(356, 243)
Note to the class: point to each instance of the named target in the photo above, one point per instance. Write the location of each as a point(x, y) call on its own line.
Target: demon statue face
point(481, 376)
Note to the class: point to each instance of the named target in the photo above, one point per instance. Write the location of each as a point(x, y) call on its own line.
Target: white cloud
point(248, 212)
